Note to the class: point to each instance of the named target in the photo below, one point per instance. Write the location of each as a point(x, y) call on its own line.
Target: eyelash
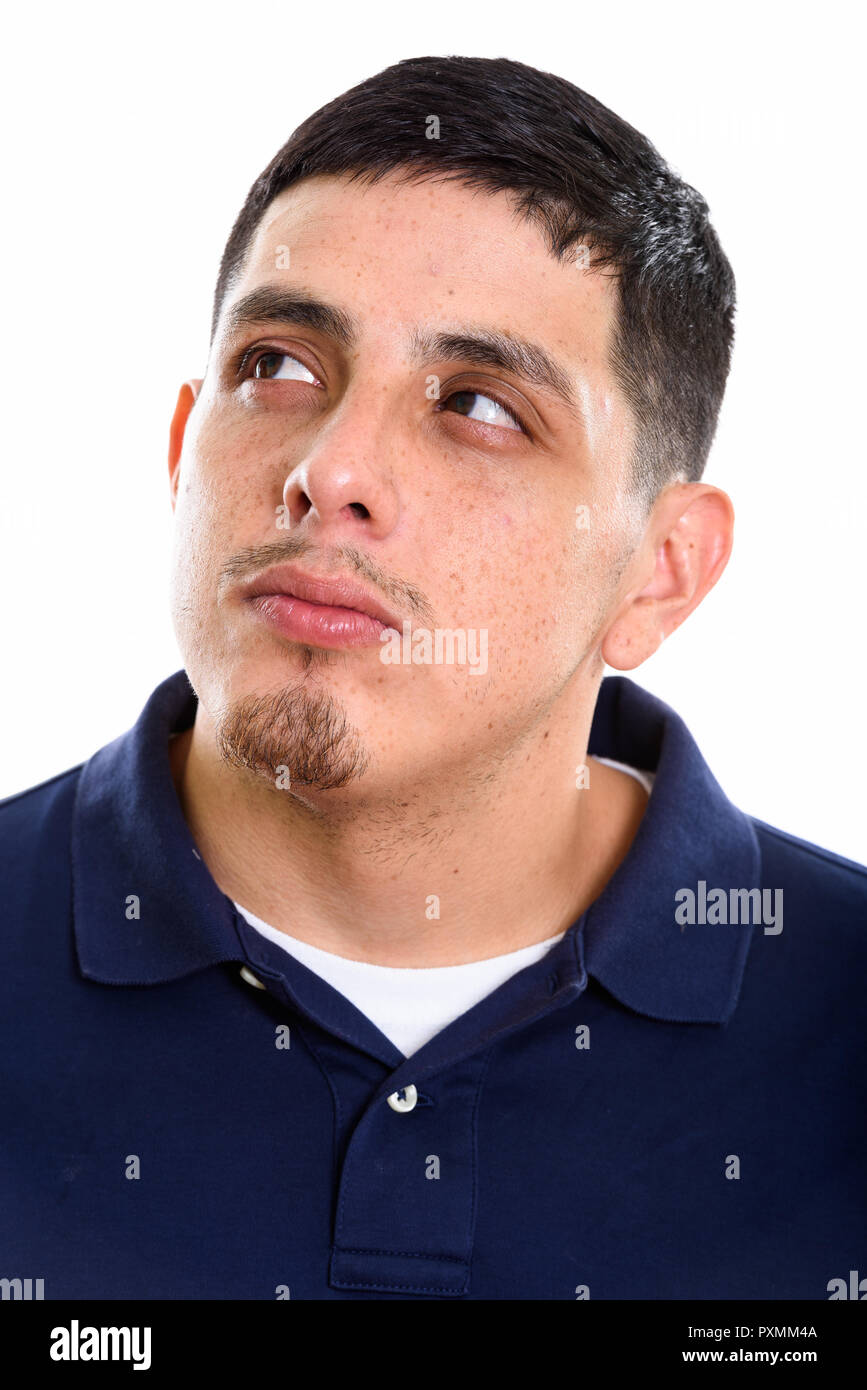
point(257, 351)
point(490, 396)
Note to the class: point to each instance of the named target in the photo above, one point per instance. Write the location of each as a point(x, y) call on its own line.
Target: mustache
point(337, 559)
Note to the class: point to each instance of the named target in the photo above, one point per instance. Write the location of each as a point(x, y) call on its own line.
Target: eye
point(280, 366)
point(477, 406)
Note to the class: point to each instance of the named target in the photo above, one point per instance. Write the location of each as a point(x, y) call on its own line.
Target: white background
point(131, 138)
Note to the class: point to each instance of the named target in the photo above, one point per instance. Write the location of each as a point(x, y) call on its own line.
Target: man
point(395, 953)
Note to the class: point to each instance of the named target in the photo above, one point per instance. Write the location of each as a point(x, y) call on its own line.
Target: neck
point(455, 868)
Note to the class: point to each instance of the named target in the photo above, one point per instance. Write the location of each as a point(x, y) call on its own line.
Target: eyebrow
point(482, 347)
point(269, 305)
point(487, 348)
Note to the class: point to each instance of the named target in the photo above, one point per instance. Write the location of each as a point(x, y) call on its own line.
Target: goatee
point(294, 737)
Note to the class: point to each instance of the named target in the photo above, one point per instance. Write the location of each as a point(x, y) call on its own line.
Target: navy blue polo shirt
point(669, 1105)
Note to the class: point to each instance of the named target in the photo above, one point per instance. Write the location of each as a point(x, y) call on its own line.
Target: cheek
point(547, 584)
point(205, 516)
point(225, 489)
point(512, 579)
point(196, 521)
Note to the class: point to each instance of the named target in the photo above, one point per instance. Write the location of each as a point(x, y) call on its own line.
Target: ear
point(688, 541)
point(187, 397)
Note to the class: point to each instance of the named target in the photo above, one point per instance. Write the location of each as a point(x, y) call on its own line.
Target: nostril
point(358, 509)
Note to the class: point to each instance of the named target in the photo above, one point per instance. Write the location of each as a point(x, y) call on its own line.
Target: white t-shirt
point(411, 1005)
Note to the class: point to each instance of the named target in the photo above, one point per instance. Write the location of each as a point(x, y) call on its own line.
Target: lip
point(320, 611)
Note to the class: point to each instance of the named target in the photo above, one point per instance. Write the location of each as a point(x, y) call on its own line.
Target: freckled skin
point(473, 771)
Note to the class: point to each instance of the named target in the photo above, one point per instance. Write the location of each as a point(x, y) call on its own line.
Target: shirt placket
point(406, 1128)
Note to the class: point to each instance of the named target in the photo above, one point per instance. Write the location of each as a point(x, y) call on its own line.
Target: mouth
point(318, 611)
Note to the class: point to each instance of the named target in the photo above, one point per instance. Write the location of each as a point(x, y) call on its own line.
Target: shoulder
point(810, 862)
point(825, 892)
point(31, 820)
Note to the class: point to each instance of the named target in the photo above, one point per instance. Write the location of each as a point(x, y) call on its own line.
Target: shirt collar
point(146, 909)
point(690, 833)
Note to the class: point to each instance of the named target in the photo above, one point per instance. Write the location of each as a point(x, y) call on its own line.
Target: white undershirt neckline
point(410, 1005)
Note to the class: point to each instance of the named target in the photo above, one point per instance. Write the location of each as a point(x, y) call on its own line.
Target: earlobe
point(690, 532)
point(187, 397)
point(631, 639)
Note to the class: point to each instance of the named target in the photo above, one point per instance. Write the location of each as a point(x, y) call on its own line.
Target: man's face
point(384, 443)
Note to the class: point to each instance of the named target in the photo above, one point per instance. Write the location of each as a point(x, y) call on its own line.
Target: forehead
point(435, 253)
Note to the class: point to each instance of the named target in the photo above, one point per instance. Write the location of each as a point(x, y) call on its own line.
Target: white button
point(250, 978)
point(403, 1100)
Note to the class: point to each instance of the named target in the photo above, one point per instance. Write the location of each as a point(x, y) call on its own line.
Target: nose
point(346, 484)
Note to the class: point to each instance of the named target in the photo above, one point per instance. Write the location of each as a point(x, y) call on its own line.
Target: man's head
point(469, 343)
point(593, 185)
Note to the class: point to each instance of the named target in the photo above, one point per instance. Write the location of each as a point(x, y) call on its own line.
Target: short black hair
point(588, 180)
